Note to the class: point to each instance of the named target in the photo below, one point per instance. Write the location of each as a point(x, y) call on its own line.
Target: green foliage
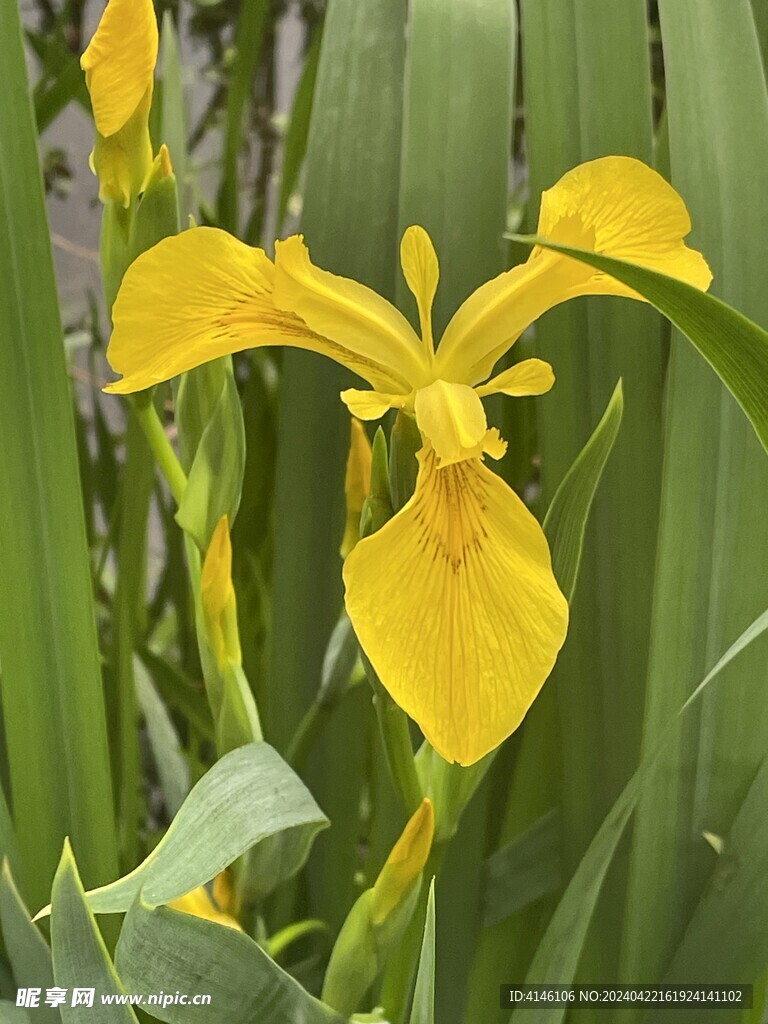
point(575, 852)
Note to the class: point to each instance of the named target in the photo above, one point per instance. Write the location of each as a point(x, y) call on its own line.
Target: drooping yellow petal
point(529, 377)
point(218, 597)
point(455, 605)
point(405, 863)
point(422, 273)
point(353, 315)
point(370, 405)
point(199, 904)
point(202, 294)
point(357, 483)
point(123, 161)
point(452, 418)
point(119, 62)
point(616, 206)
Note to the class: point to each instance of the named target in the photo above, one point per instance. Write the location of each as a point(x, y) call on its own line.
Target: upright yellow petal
point(119, 62)
point(353, 315)
point(422, 273)
point(357, 483)
point(452, 418)
point(405, 863)
point(202, 294)
point(455, 604)
point(616, 206)
point(529, 377)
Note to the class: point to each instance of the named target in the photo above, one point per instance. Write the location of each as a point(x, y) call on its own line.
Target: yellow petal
point(616, 206)
point(405, 863)
point(422, 273)
point(218, 596)
point(452, 418)
point(199, 904)
point(202, 294)
point(357, 483)
point(370, 405)
point(120, 61)
point(123, 161)
point(455, 604)
point(348, 312)
point(529, 377)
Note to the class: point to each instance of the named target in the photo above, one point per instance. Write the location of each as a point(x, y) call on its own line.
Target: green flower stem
point(146, 413)
point(396, 736)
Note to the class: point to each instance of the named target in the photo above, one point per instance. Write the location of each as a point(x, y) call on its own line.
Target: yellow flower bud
point(405, 863)
point(119, 66)
point(357, 483)
point(218, 597)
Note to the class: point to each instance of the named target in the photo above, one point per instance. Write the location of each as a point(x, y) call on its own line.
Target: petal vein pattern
point(203, 294)
point(455, 604)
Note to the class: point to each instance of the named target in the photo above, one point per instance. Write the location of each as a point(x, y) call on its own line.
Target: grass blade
point(52, 697)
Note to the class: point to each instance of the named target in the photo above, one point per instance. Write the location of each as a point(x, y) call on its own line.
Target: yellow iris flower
point(357, 483)
point(119, 66)
point(218, 597)
point(453, 600)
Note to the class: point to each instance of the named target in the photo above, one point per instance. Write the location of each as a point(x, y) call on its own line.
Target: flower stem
point(147, 415)
point(395, 733)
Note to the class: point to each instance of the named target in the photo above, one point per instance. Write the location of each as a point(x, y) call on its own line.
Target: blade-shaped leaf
point(558, 955)
point(249, 795)
point(53, 705)
point(163, 950)
point(566, 520)
point(734, 346)
point(27, 950)
point(80, 957)
point(423, 1007)
point(524, 870)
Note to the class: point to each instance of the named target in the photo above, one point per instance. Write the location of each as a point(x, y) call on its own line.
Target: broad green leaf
point(458, 114)
point(248, 796)
point(734, 346)
point(80, 957)
point(173, 120)
point(8, 847)
point(715, 480)
point(566, 520)
point(423, 1007)
point(11, 1014)
point(53, 707)
point(349, 219)
point(558, 955)
point(249, 42)
point(163, 950)
point(734, 905)
point(524, 870)
point(172, 765)
point(295, 143)
point(27, 950)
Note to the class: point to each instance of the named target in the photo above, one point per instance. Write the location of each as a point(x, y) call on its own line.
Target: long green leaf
point(524, 870)
point(558, 955)
point(734, 346)
point(715, 478)
point(80, 957)
point(27, 950)
point(162, 950)
point(349, 220)
point(52, 698)
point(248, 796)
point(423, 1007)
point(454, 180)
point(565, 523)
